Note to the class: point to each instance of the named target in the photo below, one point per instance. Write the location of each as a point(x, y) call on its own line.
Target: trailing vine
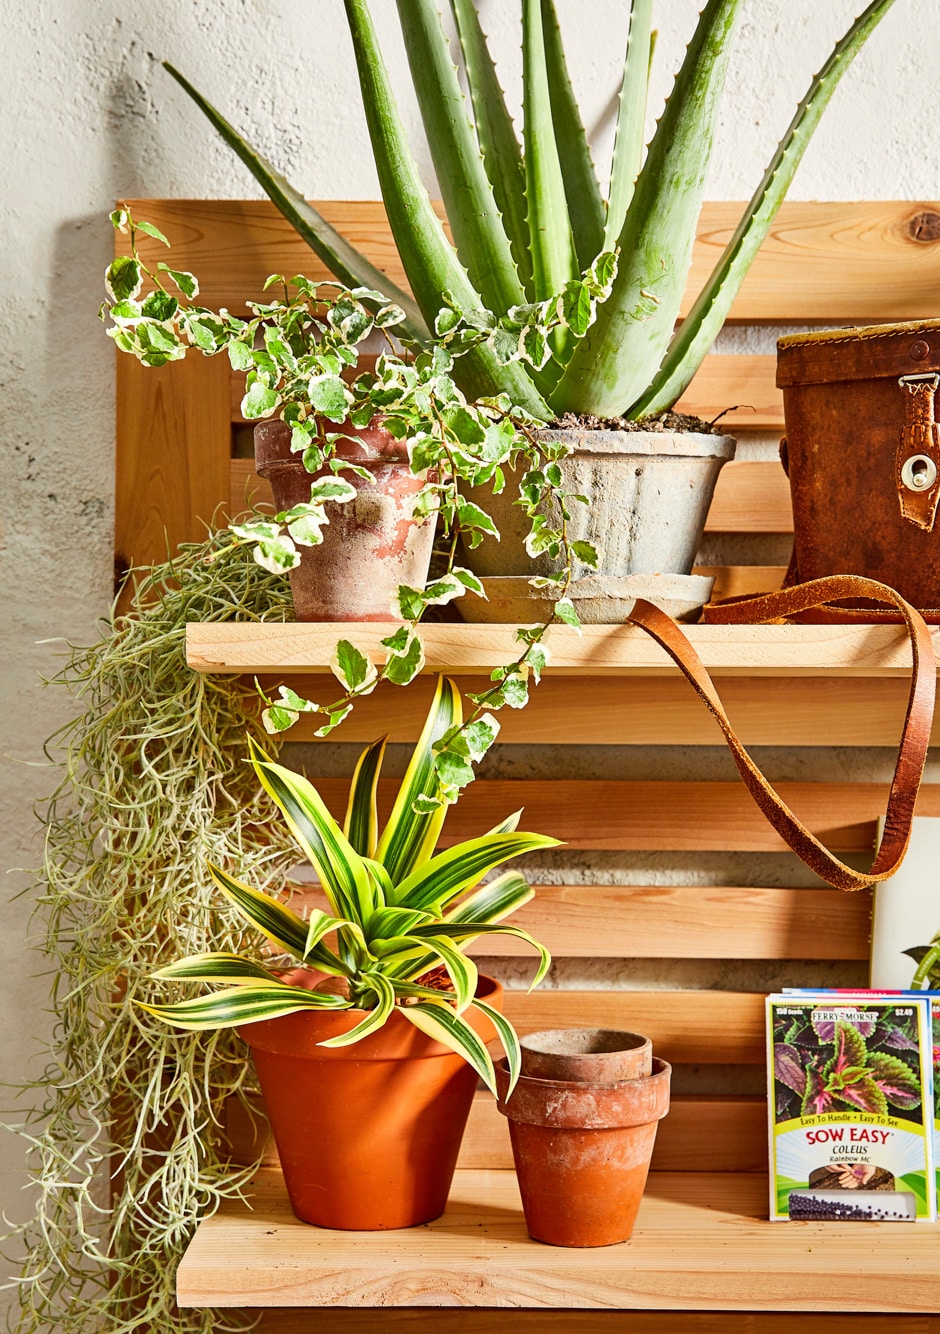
point(124, 1127)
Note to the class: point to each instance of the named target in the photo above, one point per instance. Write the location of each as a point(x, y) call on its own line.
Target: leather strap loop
point(915, 736)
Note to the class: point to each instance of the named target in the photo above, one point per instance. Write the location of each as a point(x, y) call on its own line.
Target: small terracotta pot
point(367, 1135)
point(586, 1055)
point(371, 544)
point(582, 1150)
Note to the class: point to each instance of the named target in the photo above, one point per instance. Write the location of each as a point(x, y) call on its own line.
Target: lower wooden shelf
point(701, 1243)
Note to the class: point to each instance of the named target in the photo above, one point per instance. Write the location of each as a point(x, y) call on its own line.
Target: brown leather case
point(862, 451)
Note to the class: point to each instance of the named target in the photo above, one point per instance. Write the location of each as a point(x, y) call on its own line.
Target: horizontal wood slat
point(698, 1135)
point(751, 496)
point(639, 816)
point(836, 262)
point(738, 389)
point(680, 922)
point(687, 1027)
point(773, 711)
point(597, 651)
point(701, 1242)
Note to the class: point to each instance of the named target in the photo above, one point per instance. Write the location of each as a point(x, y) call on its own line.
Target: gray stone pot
point(648, 497)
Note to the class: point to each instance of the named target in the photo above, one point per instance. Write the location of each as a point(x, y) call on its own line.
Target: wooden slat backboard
point(834, 263)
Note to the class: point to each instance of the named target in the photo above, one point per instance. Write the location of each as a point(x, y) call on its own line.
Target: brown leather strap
point(915, 736)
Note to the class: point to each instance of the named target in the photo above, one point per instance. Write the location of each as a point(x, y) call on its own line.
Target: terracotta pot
point(582, 1151)
point(586, 1055)
point(371, 544)
point(367, 1135)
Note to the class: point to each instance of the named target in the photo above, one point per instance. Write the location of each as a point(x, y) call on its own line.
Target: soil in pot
point(371, 544)
point(582, 1147)
point(367, 1135)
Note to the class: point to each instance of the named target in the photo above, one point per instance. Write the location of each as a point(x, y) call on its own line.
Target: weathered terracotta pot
point(371, 544)
point(586, 1055)
point(648, 497)
point(582, 1147)
point(367, 1135)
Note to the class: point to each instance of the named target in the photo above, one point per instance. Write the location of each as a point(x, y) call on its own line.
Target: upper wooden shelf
point(601, 650)
point(701, 1243)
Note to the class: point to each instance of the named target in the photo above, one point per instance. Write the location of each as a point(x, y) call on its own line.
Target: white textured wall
point(89, 115)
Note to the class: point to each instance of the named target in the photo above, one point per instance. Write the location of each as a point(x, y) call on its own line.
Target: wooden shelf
point(600, 650)
point(701, 1243)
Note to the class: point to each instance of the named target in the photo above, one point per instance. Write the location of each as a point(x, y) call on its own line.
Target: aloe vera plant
point(396, 911)
point(528, 218)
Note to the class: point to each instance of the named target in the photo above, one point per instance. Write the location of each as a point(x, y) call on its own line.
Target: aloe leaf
point(631, 119)
point(338, 866)
point(508, 1039)
point(582, 192)
point(458, 869)
point(617, 358)
point(502, 155)
point(475, 224)
point(218, 966)
point(340, 257)
point(429, 259)
point(374, 1019)
point(442, 1023)
point(243, 1005)
point(275, 920)
point(494, 900)
point(410, 836)
point(552, 244)
point(362, 822)
point(700, 327)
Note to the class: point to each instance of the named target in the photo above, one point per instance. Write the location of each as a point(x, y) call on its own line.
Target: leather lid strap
point(915, 736)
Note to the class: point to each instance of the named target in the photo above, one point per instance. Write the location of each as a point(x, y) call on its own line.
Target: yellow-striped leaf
point(458, 869)
point(275, 920)
point(442, 1023)
point(361, 826)
point(374, 1019)
point(494, 900)
point(217, 966)
point(507, 1036)
point(410, 837)
point(339, 867)
point(243, 1005)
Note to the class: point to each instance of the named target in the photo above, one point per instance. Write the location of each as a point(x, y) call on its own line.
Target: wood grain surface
point(679, 922)
point(766, 711)
point(838, 262)
point(598, 650)
point(701, 1242)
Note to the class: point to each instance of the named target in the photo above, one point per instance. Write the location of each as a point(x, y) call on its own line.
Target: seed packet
point(851, 1110)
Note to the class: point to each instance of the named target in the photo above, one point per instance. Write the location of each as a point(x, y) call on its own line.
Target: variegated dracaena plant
point(396, 908)
point(528, 218)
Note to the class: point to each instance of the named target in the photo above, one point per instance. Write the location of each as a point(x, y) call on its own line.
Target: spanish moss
point(125, 1126)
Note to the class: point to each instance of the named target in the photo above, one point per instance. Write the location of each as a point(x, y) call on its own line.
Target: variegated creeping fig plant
point(398, 911)
point(298, 351)
point(527, 219)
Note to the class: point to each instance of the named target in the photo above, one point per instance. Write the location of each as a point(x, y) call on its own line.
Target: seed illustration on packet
point(851, 1114)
